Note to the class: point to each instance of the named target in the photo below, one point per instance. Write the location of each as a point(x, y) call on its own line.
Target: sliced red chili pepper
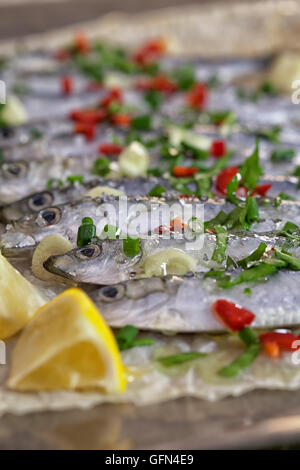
point(183, 172)
point(67, 85)
point(81, 42)
point(110, 149)
point(231, 315)
point(272, 349)
point(150, 51)
point(163, 83)
point(177, 225)
point(158, 83)
point(224, 177)
point(85, 128)
point(121, 119)
point(197, 97)
point(115, 94)
point(285, 341)
point(218, 148)
point(88, 115)
point(261, 190)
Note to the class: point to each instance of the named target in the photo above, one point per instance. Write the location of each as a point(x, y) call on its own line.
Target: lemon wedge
point(19, 299)
point(170, 261)
point(67, 346)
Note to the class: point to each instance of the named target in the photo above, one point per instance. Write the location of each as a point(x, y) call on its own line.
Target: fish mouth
point(51, 267)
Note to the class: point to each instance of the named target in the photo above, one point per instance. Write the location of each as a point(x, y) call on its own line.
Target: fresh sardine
point(183, 304)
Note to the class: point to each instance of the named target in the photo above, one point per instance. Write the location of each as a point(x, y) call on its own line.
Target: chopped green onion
point(126, 338)
point(54, 182)
point(271, 134)
point(176, 359)
point(290, 227)
point(131, 246)
point(241, 362)
point(249, 275)
point(196, 225)
point(185, 77)
point(101, 166)
point(219, 219)
point(111, 232)
point(248, 336)
point(280, 155)
point(286, 197)
point(36, 134)
point(86, 231)
point(157, 191)
point(142, 123)
point(75, 178)
point(219, 253)
point(292, 262)
point(154, 172)
point(248, 291)
point(154, 98)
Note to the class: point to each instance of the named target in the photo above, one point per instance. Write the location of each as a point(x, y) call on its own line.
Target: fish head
point(103, 262)
point(28, 205)
point(25, 233)
point(134, 302)
point(13, 179)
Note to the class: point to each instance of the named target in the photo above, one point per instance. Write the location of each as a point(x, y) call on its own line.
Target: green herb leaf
point(232, 188)
point(126, 338)
point(241, 362)
point(254, 256)
point(251, 170)
point(252, 212)
point(176, 359)
point(280, 155)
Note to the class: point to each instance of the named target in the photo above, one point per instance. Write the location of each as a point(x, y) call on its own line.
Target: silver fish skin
point(21, 178)
point(183, 304)
point(104, 262)
point(130, 214)
point(135, 216)
point(72, 192)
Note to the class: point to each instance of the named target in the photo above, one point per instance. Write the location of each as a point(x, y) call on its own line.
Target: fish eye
point(88, 252)
point(14, 170)
point(50, 216)
point(40, 201)
point(112, 293)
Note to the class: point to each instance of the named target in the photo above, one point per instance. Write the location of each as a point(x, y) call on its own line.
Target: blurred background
point(22, 17)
